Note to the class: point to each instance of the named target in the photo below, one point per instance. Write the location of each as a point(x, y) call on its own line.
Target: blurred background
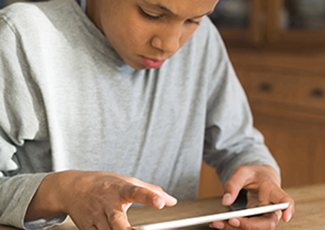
point(277, 48)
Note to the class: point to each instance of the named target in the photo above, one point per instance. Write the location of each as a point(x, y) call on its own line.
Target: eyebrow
point(168, 10)
point(207, 13)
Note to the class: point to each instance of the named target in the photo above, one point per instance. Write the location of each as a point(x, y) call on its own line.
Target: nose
point(168, 39)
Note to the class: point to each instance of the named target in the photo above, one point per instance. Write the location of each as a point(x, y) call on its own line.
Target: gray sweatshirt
point(68, 101)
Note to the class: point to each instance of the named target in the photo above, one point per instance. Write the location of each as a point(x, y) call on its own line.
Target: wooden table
point(310, 211)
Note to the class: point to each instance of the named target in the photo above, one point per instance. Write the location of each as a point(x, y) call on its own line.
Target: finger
point(266, 221)
point(118, 220)
point(289, 212)
point(94, 221)
point(137, 194)
point(224, 225)
point(169, 200)
point(101, 223)
point(126, 206)
point(217, 224)
point(277, 195)
point(241, 177)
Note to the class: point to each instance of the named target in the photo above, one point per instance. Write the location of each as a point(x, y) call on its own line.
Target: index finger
point(137, 194)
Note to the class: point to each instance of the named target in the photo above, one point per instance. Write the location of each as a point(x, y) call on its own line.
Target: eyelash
point(197, 23)
point(150, 17)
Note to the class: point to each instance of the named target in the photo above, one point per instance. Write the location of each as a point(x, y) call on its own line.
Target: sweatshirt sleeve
point(21, 119)
point(230, 138)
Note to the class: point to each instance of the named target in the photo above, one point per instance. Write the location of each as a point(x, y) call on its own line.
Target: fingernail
point(174, 200)
point(226, 200)
point(288, 218)
point(235, 223)
point(158, 202)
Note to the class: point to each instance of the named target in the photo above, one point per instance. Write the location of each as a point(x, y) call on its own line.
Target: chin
point(138, 66)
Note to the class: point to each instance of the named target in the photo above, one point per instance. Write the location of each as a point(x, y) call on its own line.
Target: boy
point(97, 107)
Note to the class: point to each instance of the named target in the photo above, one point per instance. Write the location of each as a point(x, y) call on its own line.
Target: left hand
point(263, 188)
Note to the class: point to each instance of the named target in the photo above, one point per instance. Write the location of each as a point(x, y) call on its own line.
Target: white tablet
point(215, 217)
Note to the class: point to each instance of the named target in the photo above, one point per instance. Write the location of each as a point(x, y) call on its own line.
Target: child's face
point(147, 32)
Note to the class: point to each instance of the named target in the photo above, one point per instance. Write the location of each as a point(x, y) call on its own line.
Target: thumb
point(234, 185)
point(231, 192)
point(229, 198)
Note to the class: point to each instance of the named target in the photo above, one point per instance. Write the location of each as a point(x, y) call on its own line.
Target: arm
point(236, 149)
point(21, 118)
point(35, 201)
point(16, 192)
point(102, 197)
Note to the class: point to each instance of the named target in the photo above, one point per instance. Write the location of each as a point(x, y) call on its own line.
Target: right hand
point(94, 200)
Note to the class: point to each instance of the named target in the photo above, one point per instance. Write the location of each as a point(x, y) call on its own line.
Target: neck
point(93, 13)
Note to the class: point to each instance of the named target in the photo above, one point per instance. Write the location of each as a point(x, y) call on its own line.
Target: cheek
point(136, 35)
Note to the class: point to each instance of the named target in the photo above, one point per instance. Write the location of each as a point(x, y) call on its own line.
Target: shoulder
point(206, 42)
point(205, 48)
point(25, 10)
point(25, 16)
point(207, 34)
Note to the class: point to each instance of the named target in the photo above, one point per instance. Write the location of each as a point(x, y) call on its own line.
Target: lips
point(152, 63)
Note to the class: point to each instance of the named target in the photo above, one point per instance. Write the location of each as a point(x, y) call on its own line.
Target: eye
point(149, 16)
point(194, 22)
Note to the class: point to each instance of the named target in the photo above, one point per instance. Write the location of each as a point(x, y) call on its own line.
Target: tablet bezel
point(214, 217)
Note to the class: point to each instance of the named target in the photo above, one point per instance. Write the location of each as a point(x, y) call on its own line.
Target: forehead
point(182, 7)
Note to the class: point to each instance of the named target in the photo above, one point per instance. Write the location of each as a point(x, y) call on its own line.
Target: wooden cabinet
point(241, 20)
point(271, 21)
point(292, 19)
point(287, 97)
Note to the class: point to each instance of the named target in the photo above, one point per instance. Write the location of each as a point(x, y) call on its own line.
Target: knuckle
point(134, 192)
point(115, 217)
point(157, 188)
point(114, 185)
point(150, 198)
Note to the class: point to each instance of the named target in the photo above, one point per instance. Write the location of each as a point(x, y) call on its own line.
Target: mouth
point(152, 63)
